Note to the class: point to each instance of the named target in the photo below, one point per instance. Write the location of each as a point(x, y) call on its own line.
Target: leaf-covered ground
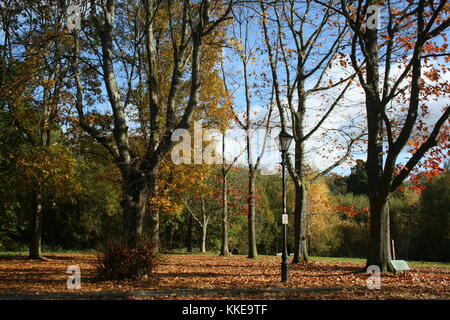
point(184, 276)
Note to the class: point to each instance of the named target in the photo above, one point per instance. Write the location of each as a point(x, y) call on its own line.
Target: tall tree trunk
point(379, 238)
point(379, 248)
point(224, 249)
point(204, 226)
point(154, 231)
point(301, 198)
point(36, 232)
point(252, 250)
point(154, 213)
point(189, 240)
point(134, 205)
point(300, 225)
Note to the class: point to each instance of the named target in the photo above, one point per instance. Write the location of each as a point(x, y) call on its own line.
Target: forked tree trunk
point(36, 231)
point(139, 187)
point(136, 193)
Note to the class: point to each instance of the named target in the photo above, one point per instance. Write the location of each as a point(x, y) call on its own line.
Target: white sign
point(284, 219)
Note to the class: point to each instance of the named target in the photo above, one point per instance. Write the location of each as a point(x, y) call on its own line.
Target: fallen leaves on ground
point(190, 276)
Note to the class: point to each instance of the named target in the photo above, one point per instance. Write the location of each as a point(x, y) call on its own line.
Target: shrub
point(353, 242)
point(119, 258)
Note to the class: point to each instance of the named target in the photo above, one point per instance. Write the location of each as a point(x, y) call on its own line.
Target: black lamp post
point(285, 142)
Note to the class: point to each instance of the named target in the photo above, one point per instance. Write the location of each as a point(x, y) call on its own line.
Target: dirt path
point(165, 293)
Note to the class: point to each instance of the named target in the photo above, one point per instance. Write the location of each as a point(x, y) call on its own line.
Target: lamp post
point(285, 142)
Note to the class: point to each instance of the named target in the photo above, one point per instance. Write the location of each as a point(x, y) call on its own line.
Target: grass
point(363, 261)
point(339, 259)
point(25, 253)
point(430, 264)
point(209, 253)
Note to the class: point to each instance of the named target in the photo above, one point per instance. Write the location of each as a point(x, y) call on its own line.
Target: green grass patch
point(363, 261)
point(13, 253)
point(210, 253)
point(430, 264)
point(339, 259)
point(25, 253)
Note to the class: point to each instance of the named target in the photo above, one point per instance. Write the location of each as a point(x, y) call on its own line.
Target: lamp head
point(285, 140)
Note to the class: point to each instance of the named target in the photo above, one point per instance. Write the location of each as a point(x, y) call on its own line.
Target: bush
point(120, 259)
point(353, 242)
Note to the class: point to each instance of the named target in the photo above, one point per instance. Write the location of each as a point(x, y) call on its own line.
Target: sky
point(320, 152)
point(351, 111)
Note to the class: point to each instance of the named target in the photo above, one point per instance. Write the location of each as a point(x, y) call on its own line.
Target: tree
point(226, 168)
point(357, 180)
point(200, 200)
point(323, 220)
point(301, 49)
point(165, 51)
point(12, 223)
point(244, 49)
point(405, 39)
point(34, 95)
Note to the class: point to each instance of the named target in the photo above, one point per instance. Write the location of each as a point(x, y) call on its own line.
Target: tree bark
point(204, 226)
point(224, 249)
point(189, 240)
point(154, 212)
point(154, 230)
point(36, 231)
point(301, 198)
point(252, 249)
point(134, 203)
point(379, 252)
point(300, 225)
